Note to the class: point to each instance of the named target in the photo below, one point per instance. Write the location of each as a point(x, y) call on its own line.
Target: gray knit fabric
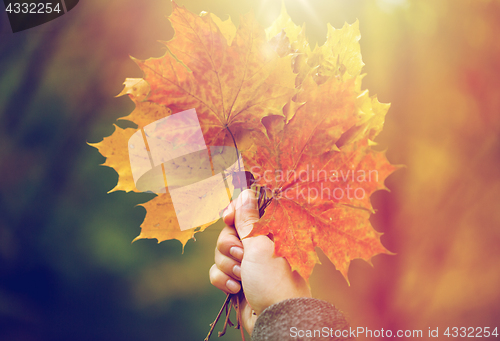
point(304, 319)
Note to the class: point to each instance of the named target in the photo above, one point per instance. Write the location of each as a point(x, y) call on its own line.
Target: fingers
point(222, 281)
point(228, 265)
point(226, 272)
point(246, 205)
point(229, 243)
point(246, 213)
point(228, 216)
point(243, 212)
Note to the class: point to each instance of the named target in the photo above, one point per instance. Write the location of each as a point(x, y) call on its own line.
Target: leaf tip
point(94, 145)
point(346, 278)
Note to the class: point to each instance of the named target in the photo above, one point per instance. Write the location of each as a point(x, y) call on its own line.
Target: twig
point(212, 325)
point(238, 318)
point(228, 313)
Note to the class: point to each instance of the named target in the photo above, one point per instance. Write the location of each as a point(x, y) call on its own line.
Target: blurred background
point(68, 270)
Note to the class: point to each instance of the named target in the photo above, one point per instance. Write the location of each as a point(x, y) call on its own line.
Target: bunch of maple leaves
point(295, 113)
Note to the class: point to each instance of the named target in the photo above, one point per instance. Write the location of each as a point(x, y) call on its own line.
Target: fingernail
point(232, 286)
point(237, 271)
point(236, 252)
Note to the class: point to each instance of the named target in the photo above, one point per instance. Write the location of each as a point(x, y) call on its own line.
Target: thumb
point(246, 212)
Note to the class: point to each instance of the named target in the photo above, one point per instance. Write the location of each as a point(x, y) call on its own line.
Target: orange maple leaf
point(231, 84)
point(320, 193)
point(296, 114)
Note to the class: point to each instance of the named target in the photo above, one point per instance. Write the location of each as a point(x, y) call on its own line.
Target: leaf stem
point(212, 325)
point(238, 317)
point(236, 147)
point(227, 321)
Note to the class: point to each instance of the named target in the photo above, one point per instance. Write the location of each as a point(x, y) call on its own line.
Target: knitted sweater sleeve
point(304, 319)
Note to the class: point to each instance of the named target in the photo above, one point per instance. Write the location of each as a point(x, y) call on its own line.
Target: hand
point(266, 279)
